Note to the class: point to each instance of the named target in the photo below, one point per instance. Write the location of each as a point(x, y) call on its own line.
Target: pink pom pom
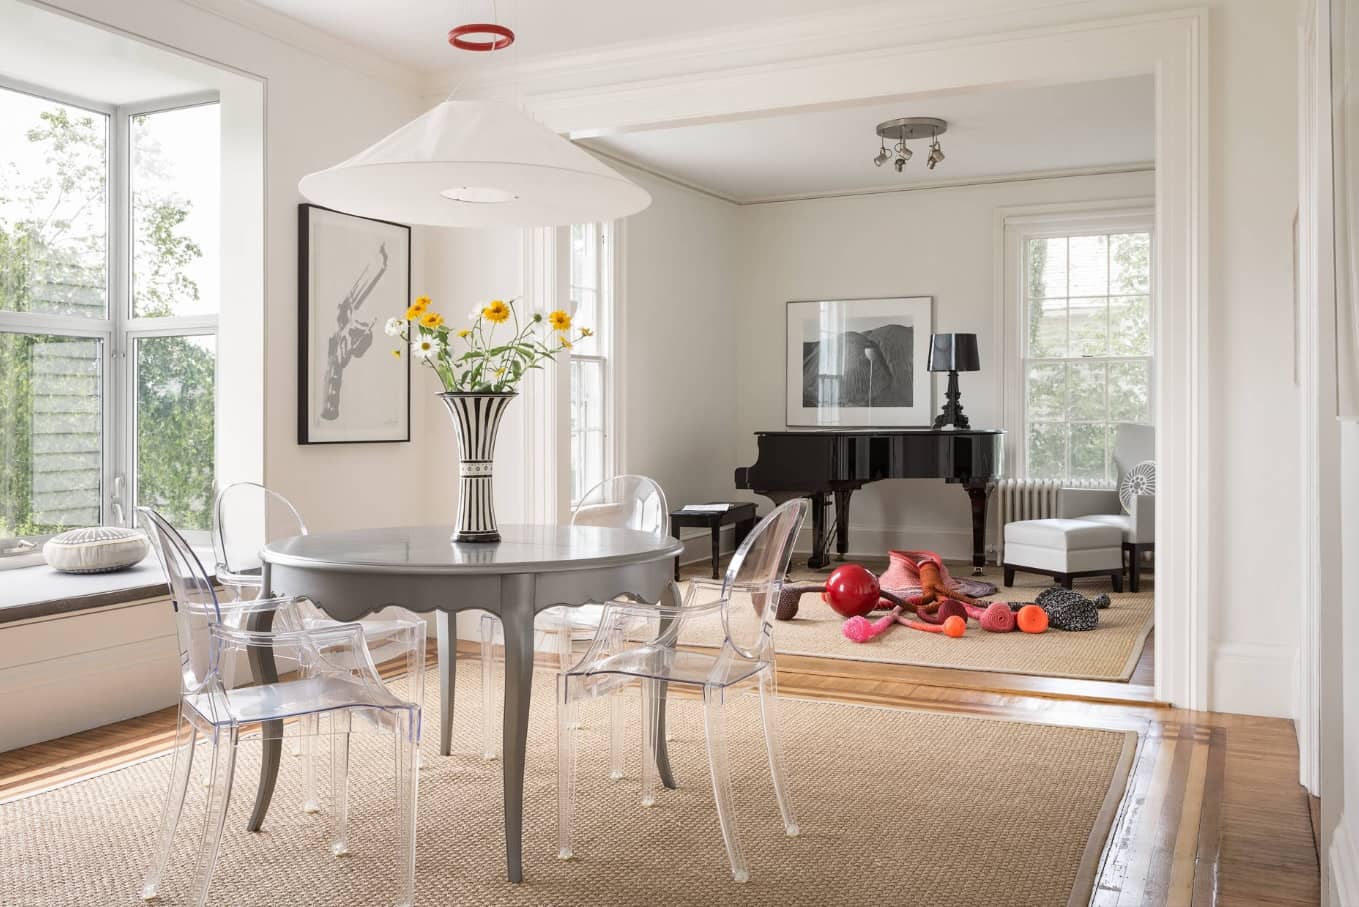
point(998, 618)
point(860, 629)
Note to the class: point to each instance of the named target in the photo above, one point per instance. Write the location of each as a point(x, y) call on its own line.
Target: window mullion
point(118, 391)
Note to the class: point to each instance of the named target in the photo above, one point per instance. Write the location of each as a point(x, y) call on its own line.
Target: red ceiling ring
point(503, 37)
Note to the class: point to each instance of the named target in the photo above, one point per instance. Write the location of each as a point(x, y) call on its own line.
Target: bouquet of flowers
point(474, 359)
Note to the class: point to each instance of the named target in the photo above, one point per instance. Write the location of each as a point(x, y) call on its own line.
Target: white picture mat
point(824, 319)
point(375, 386)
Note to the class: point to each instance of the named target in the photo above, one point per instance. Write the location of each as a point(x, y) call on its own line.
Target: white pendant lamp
point(476, 164)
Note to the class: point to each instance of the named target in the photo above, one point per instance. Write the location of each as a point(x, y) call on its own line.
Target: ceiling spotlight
point(906, 129)
point(936, 155)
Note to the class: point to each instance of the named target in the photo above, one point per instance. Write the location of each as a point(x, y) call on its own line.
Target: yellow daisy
point(464, 333)
point(421, 303)
point(496, 311)
point(586, 332)
point(431, 320)
point(566, 344)
point(559, 320)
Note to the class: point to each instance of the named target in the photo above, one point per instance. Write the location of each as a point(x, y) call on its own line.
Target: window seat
point(40, 591)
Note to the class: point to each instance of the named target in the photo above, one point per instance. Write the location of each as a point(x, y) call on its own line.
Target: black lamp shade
point(954, 353)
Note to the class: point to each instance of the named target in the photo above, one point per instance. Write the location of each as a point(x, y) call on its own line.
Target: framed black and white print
point(859, 362)
point(353, 274)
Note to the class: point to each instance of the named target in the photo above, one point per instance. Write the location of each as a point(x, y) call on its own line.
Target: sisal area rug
point(1109, 652)
point(896, 808)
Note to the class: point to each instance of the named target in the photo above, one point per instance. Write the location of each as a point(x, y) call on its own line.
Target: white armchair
point(1132, 445)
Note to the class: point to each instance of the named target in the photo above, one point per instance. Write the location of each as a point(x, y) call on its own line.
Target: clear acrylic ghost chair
point(753, 581)
point(623, 502)
point(245, 516)
point(318, 685)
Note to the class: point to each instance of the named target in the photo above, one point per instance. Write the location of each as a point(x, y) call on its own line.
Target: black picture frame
point(819, 321)
point(396, 297)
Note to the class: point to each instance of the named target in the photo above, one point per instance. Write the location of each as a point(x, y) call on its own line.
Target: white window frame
point(1015, 227)
point(118, 331)
point(606, 344)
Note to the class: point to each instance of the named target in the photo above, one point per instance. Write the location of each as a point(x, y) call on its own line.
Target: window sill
point(33, 592)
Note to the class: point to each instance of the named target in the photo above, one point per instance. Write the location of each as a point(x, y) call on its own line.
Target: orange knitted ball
point(955, 626)
point(1032, 619)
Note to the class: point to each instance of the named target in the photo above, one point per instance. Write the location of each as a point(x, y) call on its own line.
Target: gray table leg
point(671, 598)
point(265, 670)
point(448, 665)
point(516, 618)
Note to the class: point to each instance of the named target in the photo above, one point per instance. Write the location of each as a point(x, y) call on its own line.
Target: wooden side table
point(741, 514)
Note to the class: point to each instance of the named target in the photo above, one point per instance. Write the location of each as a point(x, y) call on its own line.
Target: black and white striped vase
point(476, 417)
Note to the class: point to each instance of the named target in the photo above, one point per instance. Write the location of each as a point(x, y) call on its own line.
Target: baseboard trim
point(1253, 679)
point(1343, 859)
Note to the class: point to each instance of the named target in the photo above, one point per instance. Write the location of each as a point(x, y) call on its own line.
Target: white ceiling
point(1001, 132)
point(92, 64)
point(414, 33)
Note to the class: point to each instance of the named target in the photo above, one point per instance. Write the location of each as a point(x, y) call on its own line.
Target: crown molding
point(1026, 176)
point(308, 39)
point(804, 38)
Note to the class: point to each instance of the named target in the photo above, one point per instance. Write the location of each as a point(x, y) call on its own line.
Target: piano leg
point(842, 522)
point(977, 493)
point(818, 560)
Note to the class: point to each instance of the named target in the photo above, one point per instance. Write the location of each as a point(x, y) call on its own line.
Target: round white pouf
point(100, 549)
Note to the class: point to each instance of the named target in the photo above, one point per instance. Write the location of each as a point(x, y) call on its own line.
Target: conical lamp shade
point(476, 164)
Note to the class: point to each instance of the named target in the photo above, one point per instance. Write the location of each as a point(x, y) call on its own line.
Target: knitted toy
point(922, 580)
point(853, 590)
point(1069, 610)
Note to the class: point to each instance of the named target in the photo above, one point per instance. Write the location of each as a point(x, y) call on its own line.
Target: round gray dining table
point(354, 573)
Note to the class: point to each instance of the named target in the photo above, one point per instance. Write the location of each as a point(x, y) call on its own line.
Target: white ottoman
point(1064, 550)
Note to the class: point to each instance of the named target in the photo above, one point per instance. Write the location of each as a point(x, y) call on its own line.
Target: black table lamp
point(953, 353)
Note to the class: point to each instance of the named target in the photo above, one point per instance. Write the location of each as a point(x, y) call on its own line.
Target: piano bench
point(1064, 550)
point(739, 513)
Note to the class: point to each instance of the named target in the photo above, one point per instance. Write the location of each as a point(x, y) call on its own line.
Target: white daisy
point(427, 348)
point(394, 327)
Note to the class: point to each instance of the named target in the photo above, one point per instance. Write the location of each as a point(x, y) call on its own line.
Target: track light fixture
point(936, 154)
point(907, 129)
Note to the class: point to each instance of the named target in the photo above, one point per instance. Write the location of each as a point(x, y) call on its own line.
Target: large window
point(108, 310)
point(1086, 360)
point(592, 293)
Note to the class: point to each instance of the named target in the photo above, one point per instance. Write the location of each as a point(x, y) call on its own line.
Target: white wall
point(1248, 328)
point(938, 242)
point(1344, 849)
point(681, 341)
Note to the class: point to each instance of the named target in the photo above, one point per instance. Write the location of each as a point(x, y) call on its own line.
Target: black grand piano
point(816, 463)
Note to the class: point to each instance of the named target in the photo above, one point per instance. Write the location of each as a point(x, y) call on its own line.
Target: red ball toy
point(852, 590)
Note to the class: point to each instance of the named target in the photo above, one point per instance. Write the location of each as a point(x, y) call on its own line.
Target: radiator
point(1031, 499)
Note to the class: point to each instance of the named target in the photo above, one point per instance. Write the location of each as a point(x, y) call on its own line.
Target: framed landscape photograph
point(353, 274)
point(859, 362)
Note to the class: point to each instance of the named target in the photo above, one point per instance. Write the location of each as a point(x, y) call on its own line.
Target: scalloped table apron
point(354, 573)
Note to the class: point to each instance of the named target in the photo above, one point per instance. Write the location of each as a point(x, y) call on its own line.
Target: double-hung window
point(109, 228)
point(591, 291)
point(1084, 313)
